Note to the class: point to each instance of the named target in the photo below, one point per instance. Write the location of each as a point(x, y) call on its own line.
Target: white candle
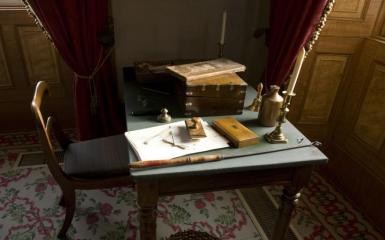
point(296, 70)
point(224, 18)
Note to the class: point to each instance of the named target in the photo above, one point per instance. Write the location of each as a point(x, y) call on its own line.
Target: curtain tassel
point(94, 101)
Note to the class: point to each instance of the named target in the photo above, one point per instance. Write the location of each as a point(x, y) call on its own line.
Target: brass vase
point(270, 107)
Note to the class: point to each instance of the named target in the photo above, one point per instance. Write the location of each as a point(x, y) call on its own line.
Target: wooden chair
point(93, 164)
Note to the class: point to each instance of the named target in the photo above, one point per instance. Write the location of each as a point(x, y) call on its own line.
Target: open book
point(171, 140)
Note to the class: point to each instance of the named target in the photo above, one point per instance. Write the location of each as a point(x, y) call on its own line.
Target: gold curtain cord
point(98, 66)
point(91, 79)
point(328, 8)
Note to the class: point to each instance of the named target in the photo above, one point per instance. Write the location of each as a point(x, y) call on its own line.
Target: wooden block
point(195, 128)
point(236, 132)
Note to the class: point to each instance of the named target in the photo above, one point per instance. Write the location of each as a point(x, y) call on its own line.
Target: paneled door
point(26, 57)
point(340, 101)
point(359, 136)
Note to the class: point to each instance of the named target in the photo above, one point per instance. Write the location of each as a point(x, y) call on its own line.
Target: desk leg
point(290, 196)
point(147, 203)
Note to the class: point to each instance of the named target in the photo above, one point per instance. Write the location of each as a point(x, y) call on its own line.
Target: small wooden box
point(218, 95)
point(236, 132)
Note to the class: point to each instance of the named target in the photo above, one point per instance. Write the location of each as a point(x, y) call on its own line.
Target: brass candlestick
point(277, 135)
point(221, 48)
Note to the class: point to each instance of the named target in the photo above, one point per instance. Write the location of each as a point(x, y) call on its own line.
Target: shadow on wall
point(185, 29)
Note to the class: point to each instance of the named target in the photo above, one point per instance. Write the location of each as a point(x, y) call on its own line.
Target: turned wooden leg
point(290, 196)
point(147, 203)
point(70, 202)
point(289, 201)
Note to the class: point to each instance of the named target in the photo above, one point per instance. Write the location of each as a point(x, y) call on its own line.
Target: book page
point(171, 140)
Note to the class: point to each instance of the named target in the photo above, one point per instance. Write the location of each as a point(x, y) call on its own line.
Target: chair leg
point(70, 202)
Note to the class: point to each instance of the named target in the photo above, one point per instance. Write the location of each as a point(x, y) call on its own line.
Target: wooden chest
point(219, 95)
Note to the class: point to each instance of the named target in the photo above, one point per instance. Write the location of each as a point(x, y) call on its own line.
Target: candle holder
point(277, 135)
point(221, 48)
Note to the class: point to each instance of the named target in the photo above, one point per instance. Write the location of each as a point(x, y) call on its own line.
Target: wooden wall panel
point(355, 144)
point(360, 131)
point(18, 88)
point(353, 18)
point(39, 55)
point(30, 57)
point(323, 76)
point(351, 9)
point(5, 79)
point(326, 76)
point(370, 126)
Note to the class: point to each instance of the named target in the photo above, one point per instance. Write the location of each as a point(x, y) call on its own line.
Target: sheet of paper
point(171, 140)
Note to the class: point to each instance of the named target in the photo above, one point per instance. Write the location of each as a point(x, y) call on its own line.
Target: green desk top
point(288, 158)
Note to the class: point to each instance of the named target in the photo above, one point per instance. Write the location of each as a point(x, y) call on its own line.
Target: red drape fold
point(291, 25)
point(73, 26)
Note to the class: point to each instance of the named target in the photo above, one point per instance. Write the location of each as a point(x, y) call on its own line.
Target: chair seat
point(101, 157)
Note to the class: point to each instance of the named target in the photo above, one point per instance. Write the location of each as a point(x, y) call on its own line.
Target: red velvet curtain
point(74, 27)
point(291, 25)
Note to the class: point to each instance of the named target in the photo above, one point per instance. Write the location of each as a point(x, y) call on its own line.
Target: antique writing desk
point(291, 168)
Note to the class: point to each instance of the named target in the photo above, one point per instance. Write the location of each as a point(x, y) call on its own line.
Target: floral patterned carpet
point(323, 213)
point(29, 208)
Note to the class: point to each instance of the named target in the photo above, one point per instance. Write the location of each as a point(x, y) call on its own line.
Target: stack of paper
point(172, 140)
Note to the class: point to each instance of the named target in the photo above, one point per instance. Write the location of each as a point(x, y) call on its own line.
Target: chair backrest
point(46, 129)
